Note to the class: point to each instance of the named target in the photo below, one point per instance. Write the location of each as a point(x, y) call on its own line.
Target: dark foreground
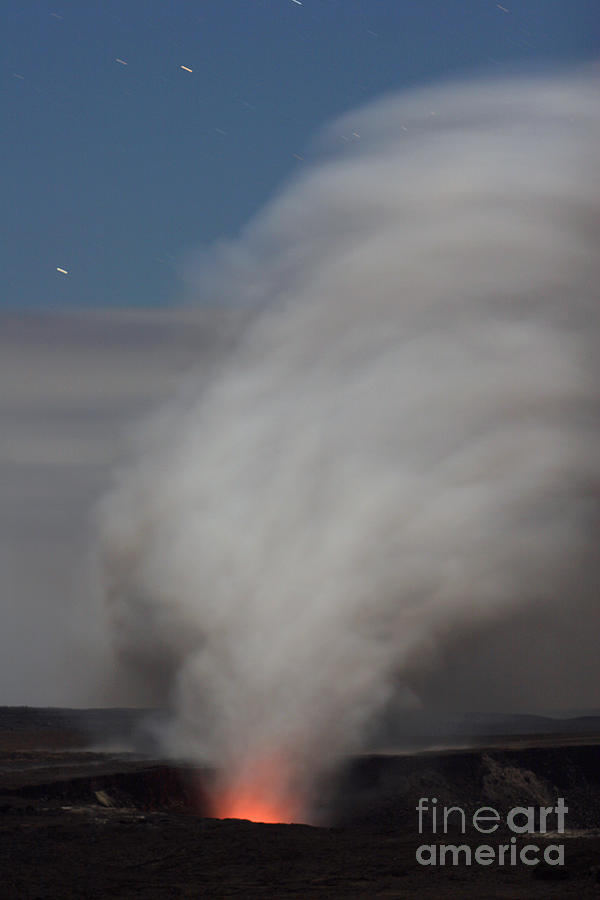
point(77, 824)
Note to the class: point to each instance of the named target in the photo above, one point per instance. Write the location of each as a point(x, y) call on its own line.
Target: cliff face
point(385, 790)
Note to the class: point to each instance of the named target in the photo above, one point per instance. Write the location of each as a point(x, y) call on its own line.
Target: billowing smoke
point(402, 447)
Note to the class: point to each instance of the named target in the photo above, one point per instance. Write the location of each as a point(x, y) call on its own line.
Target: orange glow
point(260, 792)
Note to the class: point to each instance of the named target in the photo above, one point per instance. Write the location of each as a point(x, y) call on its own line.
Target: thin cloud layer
point(73, 384)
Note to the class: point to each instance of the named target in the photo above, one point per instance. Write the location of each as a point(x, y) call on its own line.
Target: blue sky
point(116, 171)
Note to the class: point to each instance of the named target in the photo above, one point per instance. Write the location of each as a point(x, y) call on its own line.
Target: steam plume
point(402, 446)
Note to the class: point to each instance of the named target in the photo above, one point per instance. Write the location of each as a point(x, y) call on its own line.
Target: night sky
point(136, 136)
point(118, 162)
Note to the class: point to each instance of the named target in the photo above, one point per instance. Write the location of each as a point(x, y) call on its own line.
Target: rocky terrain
point(91, 823)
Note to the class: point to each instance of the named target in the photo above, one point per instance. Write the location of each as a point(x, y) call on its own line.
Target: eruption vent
point(261, 790)
point(401, 449)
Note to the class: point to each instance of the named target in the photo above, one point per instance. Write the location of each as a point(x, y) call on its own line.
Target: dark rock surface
point(90, 824)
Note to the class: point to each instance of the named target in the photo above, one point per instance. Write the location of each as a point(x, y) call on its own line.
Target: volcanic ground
point(81, 817)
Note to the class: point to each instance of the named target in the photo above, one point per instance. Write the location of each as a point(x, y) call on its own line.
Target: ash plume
point(401, 449)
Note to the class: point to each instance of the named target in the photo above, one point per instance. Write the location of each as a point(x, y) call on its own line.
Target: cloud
point(72, 385)
point(401, 456)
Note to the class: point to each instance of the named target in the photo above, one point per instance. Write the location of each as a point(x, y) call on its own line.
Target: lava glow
point(260, 792)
